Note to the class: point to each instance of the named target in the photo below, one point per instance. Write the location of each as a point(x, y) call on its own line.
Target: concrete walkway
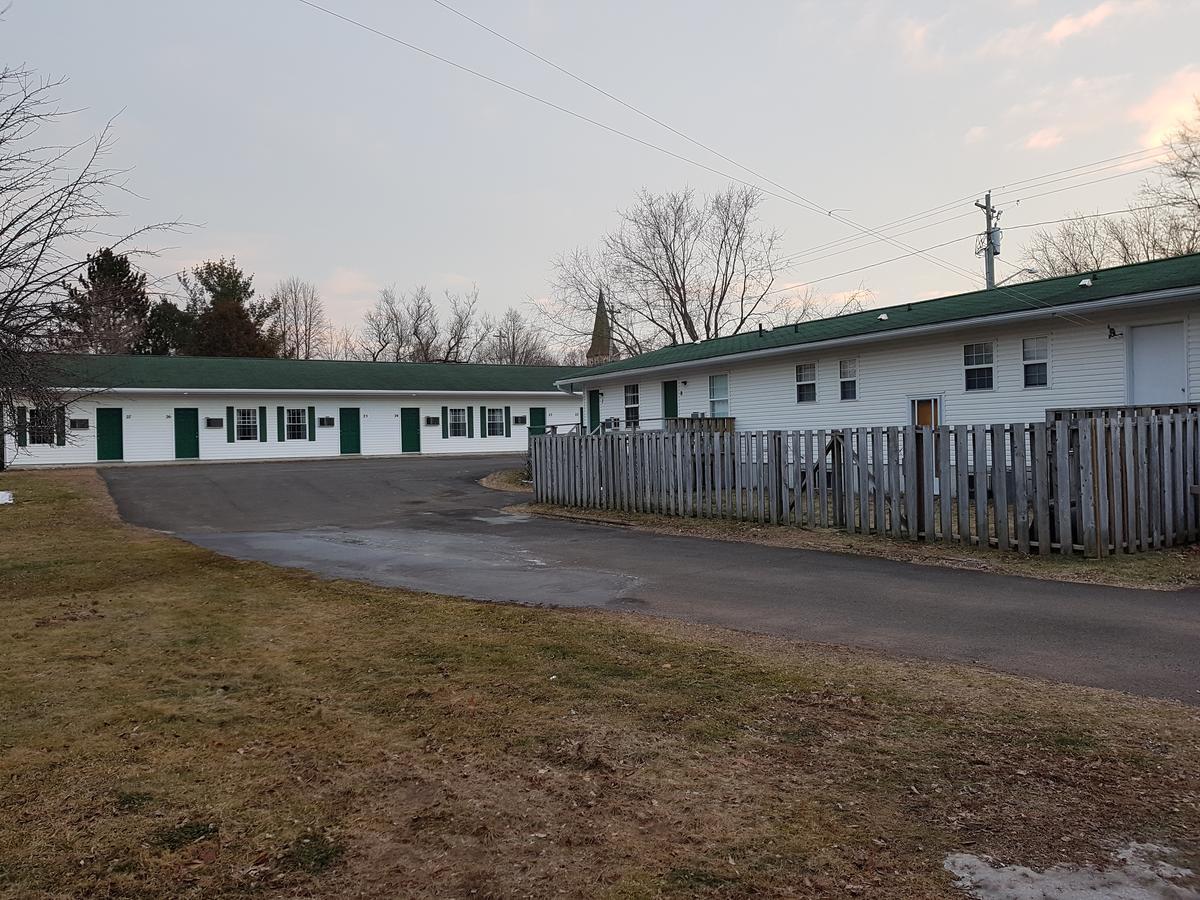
point(426, 524)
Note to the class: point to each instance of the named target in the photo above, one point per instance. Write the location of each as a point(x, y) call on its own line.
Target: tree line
point(109, 309)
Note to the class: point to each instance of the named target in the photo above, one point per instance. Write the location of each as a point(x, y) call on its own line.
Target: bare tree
point(467, 330)
point(515, 341)
point(52, 208)
point(1163, 221)
point(384, 335)
point(678, 268)
point(300, 320)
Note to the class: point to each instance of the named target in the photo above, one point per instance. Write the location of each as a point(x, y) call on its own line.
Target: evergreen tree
point(228, 322)
point(168, 330)
point(106, 311)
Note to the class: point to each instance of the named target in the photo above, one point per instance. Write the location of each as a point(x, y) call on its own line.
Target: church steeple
point(601, 350)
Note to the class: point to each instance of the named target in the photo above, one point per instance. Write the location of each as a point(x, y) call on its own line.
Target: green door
point(351, 429)
point(670, 399)
point(110, 433)
point(187, 433)
point(593, 411)
point(537, 420)
point(410, 429)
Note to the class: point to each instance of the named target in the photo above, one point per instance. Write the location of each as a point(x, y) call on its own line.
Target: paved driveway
point(426, 524)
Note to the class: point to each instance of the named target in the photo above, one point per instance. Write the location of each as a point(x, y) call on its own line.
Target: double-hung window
point(297, 424)
point(1035, 358)
point(458, 422)
point(247, 424)
point(806, 383)
point(718, 396)
point(41, 426)
point(495, 422)
point(632, 406)
point(848, 379)
point(978, 362)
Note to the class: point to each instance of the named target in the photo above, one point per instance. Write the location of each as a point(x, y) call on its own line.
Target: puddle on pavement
point(503, 519)
point(1138, 872)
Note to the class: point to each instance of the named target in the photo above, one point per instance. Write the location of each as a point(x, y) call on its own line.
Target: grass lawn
point(178, 724)
point(1166, 570)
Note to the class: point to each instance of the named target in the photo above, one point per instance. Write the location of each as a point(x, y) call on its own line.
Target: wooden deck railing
point(1094, 485)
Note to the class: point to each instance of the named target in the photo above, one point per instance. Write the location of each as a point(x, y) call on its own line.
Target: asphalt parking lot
point(425, 523)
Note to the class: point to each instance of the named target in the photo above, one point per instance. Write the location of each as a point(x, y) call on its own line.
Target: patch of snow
point(1139, 872)
point(6, 496)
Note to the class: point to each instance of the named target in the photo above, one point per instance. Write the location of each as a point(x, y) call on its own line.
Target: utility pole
point(991, 239)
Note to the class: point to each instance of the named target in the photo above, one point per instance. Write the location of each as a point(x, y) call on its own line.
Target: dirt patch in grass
point(1163, 570)
point(225, 728)
point(512, 480)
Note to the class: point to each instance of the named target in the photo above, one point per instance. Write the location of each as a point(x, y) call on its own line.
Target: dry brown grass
point(178, 724)
point(1163, 570)
point(516, 480)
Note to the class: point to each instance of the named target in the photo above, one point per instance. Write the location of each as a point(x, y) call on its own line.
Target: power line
point(1103, 215)
point(916, 217)
point(800, 200)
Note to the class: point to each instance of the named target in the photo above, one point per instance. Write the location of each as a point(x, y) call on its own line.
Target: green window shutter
point(22, 426)
point(483, 421)
point(60, 426)
point(508, 421)
point(280, 423)
point(262, 423)
point(230, 426)
point(312, 423)
point(470, 423)
point(445, 422)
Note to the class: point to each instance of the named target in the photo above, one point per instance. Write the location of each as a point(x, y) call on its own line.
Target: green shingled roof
point(1057, 293)
point(220, 373)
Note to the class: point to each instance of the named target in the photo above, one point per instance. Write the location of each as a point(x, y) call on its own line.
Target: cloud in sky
point(975, 134)
point(1168, 104)
point(1044, 139)
point(348, 293)
point(916, 46)
point(1070, 26)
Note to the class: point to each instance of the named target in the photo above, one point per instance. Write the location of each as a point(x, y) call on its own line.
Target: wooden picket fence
point(1096, 486)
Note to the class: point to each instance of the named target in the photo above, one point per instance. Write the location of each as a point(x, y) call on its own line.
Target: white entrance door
point(1158, 371)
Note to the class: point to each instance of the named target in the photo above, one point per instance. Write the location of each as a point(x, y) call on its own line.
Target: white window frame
point(296, 430)
point(843, 380)
point(713, 399)
point(238, 424)
point(977, 366)
point(806, 381)
point(45, 432)
point(456, 422)
point(636, 395)
point(1026, 362)
point(498, 423)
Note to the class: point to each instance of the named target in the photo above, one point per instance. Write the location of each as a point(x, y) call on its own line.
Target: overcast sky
point(306, 146)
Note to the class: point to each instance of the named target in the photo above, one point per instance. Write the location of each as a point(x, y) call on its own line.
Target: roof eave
point(1080, 308)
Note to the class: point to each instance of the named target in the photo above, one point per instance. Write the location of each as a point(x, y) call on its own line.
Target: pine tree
point(106, 311)
point(227, 320)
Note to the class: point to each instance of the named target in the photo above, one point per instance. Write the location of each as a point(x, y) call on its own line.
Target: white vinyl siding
point(1086, 368)
point(149, 435)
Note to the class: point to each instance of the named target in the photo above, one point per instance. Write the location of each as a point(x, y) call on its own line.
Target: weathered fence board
point(1094, 485)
